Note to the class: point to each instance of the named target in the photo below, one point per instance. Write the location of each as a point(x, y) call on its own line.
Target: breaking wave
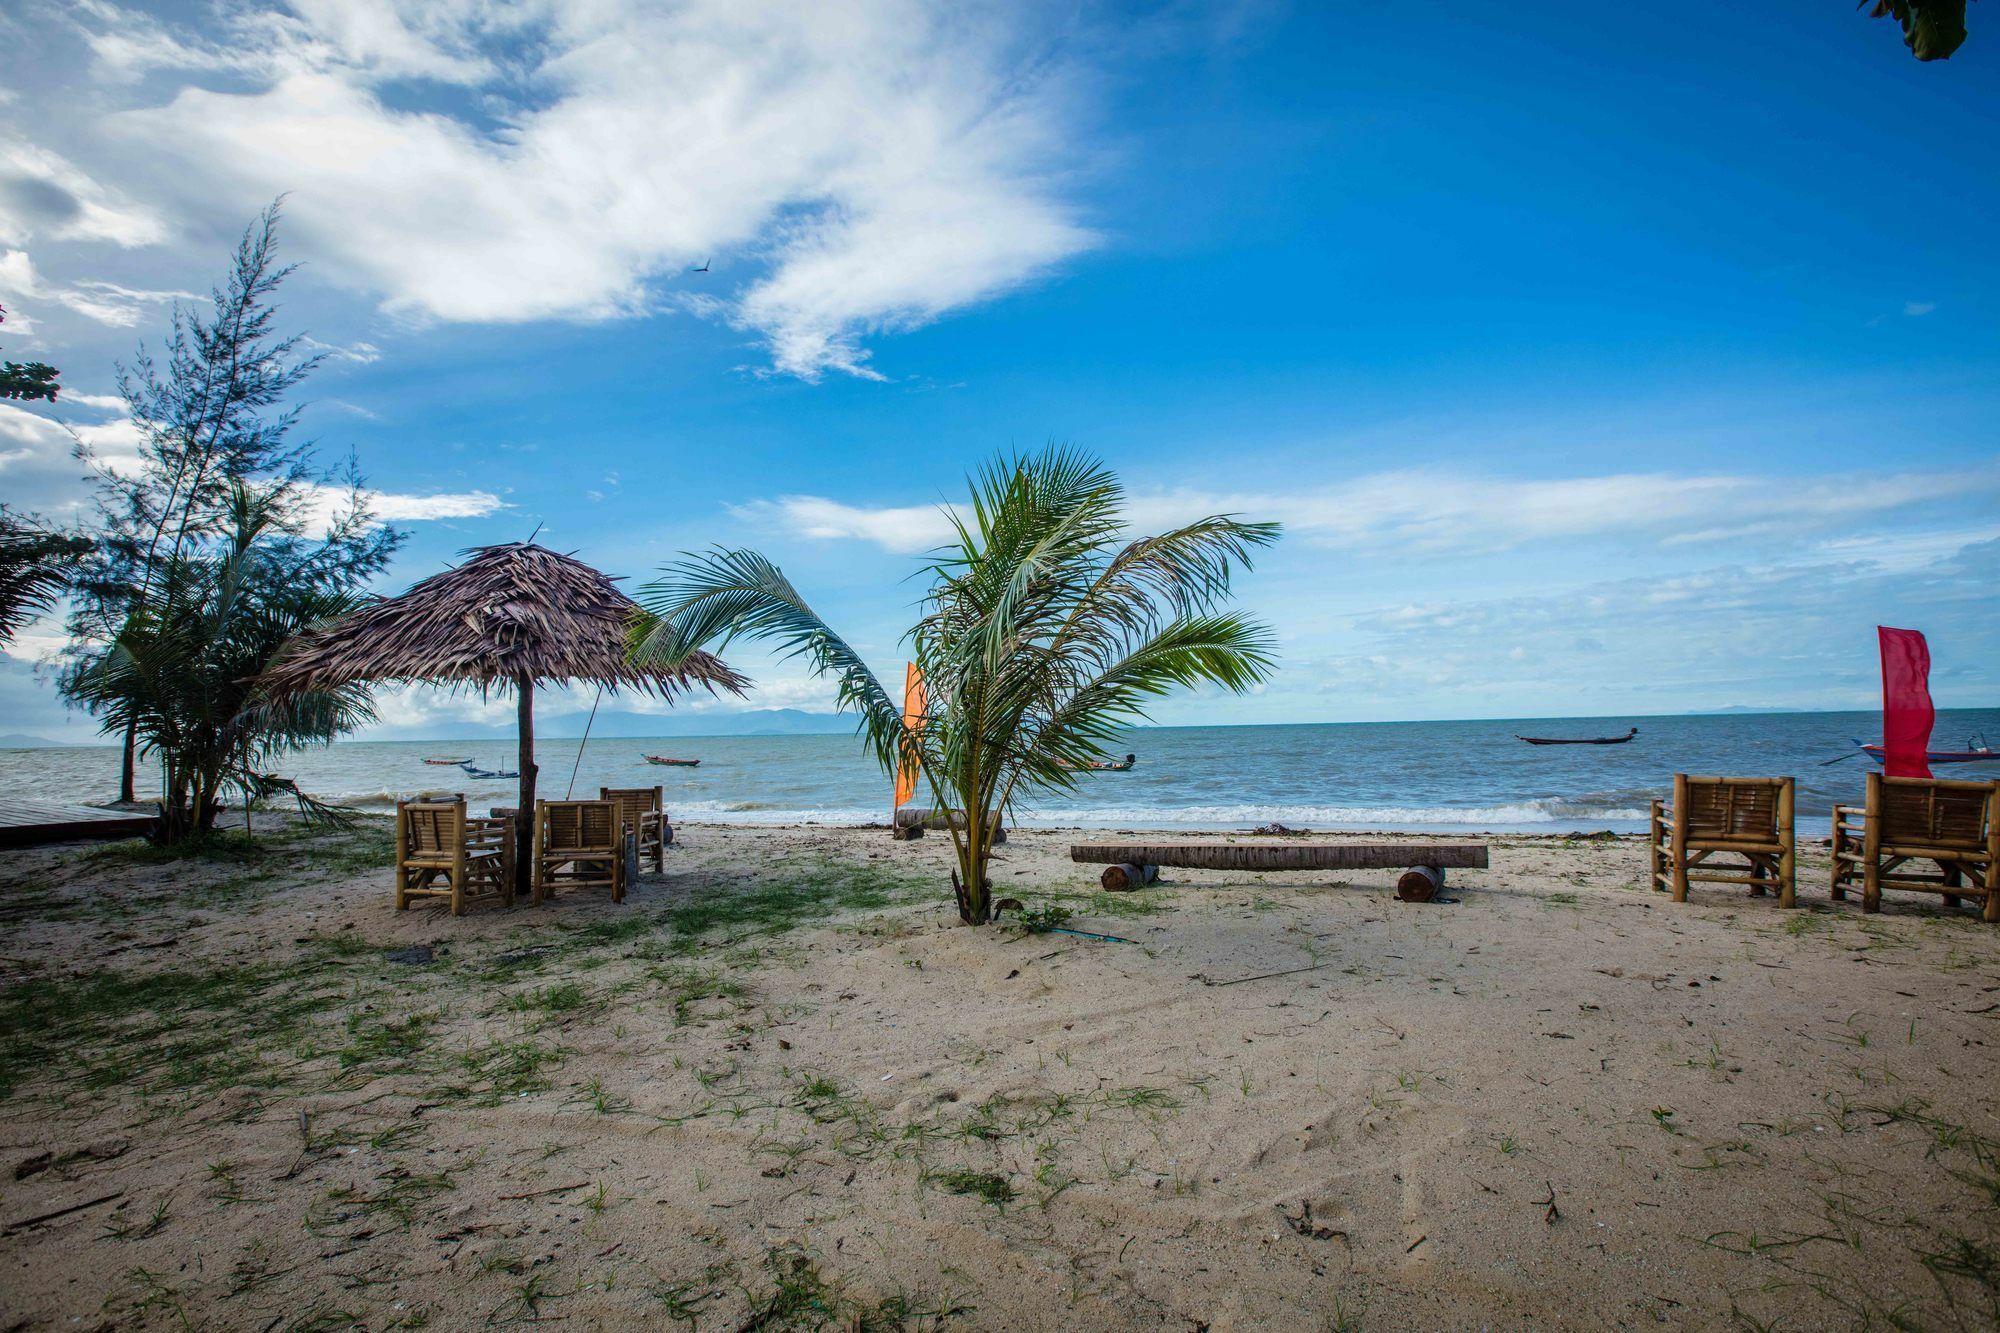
point(1523, 814)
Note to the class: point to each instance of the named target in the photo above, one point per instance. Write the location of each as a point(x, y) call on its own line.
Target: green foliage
point(1046, 631)
point(181, 674)
point(1044, 917)
point(26, 381)
point(1932, 29)
point(35, 567)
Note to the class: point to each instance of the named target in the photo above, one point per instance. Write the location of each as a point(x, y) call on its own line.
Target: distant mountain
point(20, 740)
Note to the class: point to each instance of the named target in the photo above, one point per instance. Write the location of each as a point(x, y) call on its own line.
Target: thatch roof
point(509, 612)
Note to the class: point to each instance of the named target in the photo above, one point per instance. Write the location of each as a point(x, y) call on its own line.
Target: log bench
point(1129, 865)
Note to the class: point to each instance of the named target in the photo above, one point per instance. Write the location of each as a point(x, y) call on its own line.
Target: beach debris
point(1554, 1214)
point(40, 1218)
point(414, 955)
point(1238, 981)
point(1307, 1227)
point(1090, 935)
point(1277, 830)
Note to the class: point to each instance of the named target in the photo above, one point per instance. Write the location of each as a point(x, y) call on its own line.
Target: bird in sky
point(704, 266)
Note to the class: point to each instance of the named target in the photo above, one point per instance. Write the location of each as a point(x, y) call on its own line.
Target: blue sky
point(1599, 359)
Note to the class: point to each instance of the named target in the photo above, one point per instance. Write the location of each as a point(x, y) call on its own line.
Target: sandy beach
point(781, 1087)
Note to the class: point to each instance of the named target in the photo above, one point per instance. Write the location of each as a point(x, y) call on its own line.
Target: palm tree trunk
point(970, 883)
point(126, 795)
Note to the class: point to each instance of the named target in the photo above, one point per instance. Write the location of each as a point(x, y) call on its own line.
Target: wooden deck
point(23, 822)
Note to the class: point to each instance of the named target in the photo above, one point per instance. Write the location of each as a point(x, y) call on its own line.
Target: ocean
point(1417, 776)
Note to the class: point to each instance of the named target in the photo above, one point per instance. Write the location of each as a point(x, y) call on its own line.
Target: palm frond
point(707, 601)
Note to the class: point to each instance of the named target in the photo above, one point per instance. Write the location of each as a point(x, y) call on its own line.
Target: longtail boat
point(673, 763)
point(486, 774)
point(448, 763)
point(1579, 740)
point(1976, 751)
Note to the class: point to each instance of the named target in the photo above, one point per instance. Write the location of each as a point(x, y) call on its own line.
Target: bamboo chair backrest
point(1933, 812)
point(432, 829)
point(633, 802)
point(1745, 809)
point(579, 826)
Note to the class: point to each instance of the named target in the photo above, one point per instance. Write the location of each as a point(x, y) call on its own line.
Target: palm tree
point(1046, 631)
point(183, 670)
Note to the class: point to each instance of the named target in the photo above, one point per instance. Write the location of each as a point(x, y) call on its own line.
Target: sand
point(781, 1087)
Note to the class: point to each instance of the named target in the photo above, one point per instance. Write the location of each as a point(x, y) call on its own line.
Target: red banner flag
point(1907, 713)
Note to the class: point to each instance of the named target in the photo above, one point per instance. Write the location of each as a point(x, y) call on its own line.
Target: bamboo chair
point(436, 841)
point(642, 812)
point(578, 845)
point(1747, 817)
point(1954, 825)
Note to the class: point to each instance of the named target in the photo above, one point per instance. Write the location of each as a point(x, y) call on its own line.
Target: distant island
point(21, 740)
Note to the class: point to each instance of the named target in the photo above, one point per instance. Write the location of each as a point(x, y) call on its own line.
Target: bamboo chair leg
point(1653, 853)
point(1871, 885)
point(1788, 859)
point(1679, 838)
point(1992, 912)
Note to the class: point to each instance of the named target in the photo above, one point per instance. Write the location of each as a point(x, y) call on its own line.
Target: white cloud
point(45, 195)
point(1439, 513)
point(1918, 309)
point(395, 507)
point(852, 169)
point(102, 402)
point(105, 302)
point(904, 530)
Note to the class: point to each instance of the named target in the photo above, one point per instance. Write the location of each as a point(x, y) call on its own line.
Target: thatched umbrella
point(513, 615)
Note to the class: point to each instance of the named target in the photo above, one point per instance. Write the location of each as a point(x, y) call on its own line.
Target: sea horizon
point(1459, 775)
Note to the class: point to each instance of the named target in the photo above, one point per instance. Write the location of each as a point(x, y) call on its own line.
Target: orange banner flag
point(916, 705)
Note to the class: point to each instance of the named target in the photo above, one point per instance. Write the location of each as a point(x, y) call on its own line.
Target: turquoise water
point(1443, 776)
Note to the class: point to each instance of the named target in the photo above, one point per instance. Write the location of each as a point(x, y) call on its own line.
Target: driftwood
point(1123, 878)
point(1284, 856)
point(913, 820)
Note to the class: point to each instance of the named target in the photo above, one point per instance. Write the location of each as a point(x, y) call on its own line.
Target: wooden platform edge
point(81, 830)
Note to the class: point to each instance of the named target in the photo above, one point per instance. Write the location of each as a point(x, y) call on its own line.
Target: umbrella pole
point(524, 833)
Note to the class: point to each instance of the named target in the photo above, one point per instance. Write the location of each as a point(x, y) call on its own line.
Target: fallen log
point(1420, 884)
point(1284, 856)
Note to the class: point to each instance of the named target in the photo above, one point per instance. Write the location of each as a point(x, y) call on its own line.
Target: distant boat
point(1105, 765)
point(673, 763)
point(489, 774)
point(1579, 740)
point(448, 763)
point(1976, 751)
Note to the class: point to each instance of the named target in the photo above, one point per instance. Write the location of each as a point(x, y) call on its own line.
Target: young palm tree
point(182, 672)
point(1046, 631)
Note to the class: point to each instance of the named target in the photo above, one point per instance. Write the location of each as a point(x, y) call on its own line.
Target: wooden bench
point(1131, 864)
